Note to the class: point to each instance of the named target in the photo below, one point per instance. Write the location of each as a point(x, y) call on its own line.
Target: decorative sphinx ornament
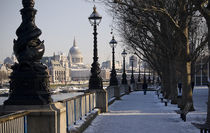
point(29, 83)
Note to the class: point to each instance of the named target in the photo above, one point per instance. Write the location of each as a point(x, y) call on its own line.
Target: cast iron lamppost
point(95, 81)
point(139, 76)
point(29, 81)
point(145, 80)
point(149, 78)
point(113, 79)
point(153, 78)
point(144, 83)
point(124, 80)
point(132, 76)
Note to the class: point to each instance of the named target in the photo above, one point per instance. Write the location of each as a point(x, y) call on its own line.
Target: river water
point(56, 97)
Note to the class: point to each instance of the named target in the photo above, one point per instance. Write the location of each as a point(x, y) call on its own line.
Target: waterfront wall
point(59, 117)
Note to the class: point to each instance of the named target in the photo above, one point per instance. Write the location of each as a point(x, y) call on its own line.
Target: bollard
point(25, 124)
point(166, 103)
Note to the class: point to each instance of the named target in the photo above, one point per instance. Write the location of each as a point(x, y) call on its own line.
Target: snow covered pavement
point(138, 113)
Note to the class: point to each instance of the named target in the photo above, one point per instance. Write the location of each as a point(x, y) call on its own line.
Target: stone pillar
point(61, 117)
point(42, 121)
point(116, 92)
point(101, 100)
point(139, 86)
point(133, 87)
point(42, 118)
point(125, 87)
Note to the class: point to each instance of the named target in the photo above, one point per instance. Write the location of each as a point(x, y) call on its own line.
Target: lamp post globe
point(124, 80)
point(95, 81)
point(113, 75)
point(132, 76)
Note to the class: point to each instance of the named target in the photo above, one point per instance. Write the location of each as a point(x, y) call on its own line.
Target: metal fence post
point(89, 104)
point(25, 124)
point(75, 112)
point(85, 106)
point(80, 108)
point(67, 115)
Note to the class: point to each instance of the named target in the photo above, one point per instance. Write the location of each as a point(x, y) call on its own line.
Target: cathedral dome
point(75, 54)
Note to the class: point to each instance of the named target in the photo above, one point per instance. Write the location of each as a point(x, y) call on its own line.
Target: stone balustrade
point(110, 93)
point(14, 123)
point(58, 117)
point(78, 107)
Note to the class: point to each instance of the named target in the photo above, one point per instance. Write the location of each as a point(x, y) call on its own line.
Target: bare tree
point(160, 31)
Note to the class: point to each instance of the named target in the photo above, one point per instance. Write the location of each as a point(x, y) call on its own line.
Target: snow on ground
point(138, 113)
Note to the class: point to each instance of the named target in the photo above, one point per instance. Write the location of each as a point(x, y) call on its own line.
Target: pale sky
point(60, 21)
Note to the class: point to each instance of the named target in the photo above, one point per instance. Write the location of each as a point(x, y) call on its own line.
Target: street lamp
point(113, 79)
point(144, 86)
point(29, 81)
point(145, 79)
point(139, 77)
point(95, 81)
point(149, 78)
point(132, 76)
point(153, 78)
point(124, 80)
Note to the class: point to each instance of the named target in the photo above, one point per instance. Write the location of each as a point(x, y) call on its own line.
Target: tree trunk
point(207, 17)
point(165, 80)
point(173, 81)
point(186, 75)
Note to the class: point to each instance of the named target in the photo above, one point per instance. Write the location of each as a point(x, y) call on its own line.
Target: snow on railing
point(78, 107)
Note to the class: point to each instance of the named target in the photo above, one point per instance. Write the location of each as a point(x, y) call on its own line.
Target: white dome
point(75, 54)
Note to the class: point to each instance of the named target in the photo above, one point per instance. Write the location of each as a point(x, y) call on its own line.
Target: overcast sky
point(60, 21)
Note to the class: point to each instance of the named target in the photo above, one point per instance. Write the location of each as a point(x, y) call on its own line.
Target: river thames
point(56, 97)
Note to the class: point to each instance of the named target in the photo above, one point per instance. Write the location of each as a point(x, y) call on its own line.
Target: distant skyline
point(60, 22)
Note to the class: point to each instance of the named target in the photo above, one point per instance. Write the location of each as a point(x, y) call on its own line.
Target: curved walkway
point(138, 113)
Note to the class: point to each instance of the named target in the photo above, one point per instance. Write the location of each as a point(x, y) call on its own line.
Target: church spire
point(74, 43)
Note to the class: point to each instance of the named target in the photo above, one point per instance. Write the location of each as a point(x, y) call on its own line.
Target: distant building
point(105, 74)
point(80, 74)
point(118, 65)
point(64, 69)
point(75, 56)
point(5, 71)
point(135, 62)
point(58, 73)
point(3, 68)
point(202, 71)
point(10, 60)
point(58, 68)
point(78, 70)
point(106, 65)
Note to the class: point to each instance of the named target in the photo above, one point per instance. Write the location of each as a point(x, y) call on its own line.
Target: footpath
point(139, 113)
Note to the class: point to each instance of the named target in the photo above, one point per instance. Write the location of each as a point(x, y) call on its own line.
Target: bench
point(203, 127)
point(184, 112)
